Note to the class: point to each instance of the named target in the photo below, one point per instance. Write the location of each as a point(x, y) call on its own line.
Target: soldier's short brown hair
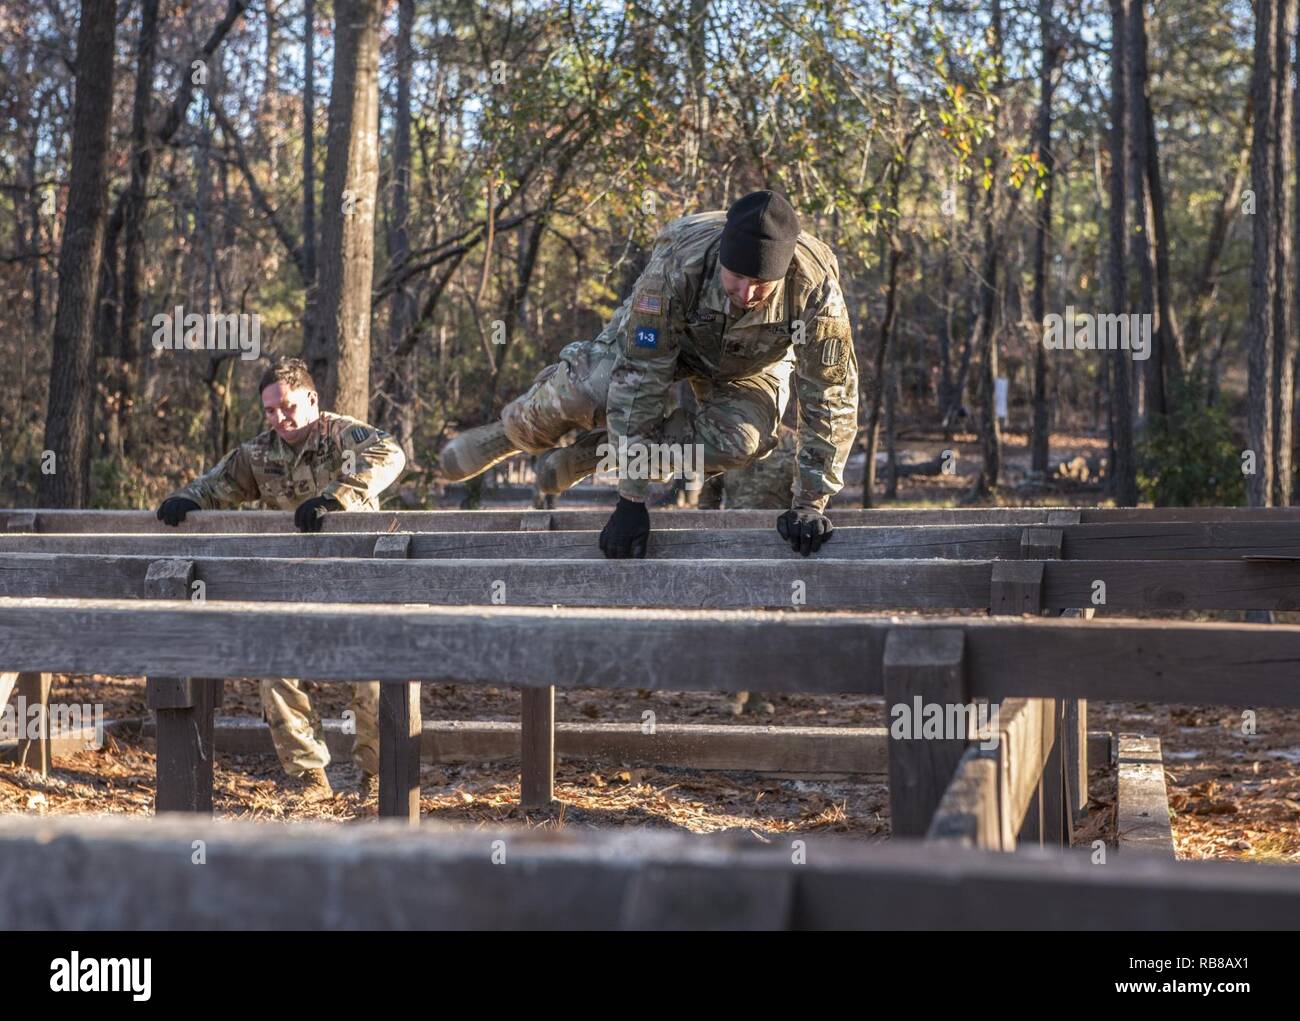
point(293, 372)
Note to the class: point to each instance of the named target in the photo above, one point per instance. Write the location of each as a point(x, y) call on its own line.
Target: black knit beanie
point(759, 238)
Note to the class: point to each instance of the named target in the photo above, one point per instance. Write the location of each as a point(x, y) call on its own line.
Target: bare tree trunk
point(987, 342)
point(1152, 396)
point(398, 407)
point(68, 415)
point(349, 186)
point(1168, 338)
point(1207, 279)
point(1284, 344)
point(1121, 391)
point(133, 217)
point(309, 173)
point(871, 430)
point(1266, 89)
point(1051, 52)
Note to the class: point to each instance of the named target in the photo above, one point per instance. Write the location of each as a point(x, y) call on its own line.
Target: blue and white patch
point(646, 336)
point(359, 434)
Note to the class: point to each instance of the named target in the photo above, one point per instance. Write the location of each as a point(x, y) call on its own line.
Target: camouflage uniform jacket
point(678, 322)
point(344, 459)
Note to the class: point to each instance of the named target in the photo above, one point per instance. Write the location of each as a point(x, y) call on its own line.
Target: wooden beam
point(1075, 737)
point(400, 723)
point(1016, 587)
point(1142, 812)
point(33, 750)
point(921, 670)
point(1041, 544)
point(399, 751)
point(384, 876)
point(567, 519)
point(677, 650)
point(1177, 541)
point(537, 747)
point(825, 584)
point(829, 583)
point(969, 814)
point(969, 542)
point(183, 709)
point(1025, 734)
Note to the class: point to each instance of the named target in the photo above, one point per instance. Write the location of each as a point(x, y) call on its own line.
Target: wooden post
point(1057, 828)
point(183, 709)
point(537, 747)
point(1075, 736)
point(1041, 544)
point(33, 751)
point(1017, 587)
point(399, 751)
point(400, 724)
point(926, 667)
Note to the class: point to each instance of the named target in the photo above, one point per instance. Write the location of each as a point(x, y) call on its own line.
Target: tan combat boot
point(563, 467)
point(475, 451)
point(313, 786)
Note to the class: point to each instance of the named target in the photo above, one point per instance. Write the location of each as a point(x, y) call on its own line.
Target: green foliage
point(1190, 458)
point(115, 484)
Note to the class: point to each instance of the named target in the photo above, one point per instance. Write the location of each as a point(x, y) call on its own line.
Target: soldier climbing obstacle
point(314, 463)
point(733, 302)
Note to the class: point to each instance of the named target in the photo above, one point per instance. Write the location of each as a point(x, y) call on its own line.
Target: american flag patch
point(649, 304)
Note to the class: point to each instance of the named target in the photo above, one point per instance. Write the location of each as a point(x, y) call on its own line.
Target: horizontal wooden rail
point(121, 521)
point(675, 650)
point(1142, 801)
point(386, 876)
point(728, 747)
point(1169, 541)
point(817, 583)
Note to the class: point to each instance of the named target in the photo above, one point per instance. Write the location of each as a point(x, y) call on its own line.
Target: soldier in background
point(314, 463)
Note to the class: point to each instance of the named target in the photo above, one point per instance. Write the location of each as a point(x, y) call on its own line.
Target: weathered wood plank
point(729, 747)
point(1125, 660)
point(1056, 818)
point(828, 582)
point(564, 519)
point(969, 814)
point(1106, 541)
point(34, 750)
point(820, 583)
point(1075, 738)
point(400, 730)
point(1021, 754)
point(183, 710)
point(1142, 811)
point(921, 669)
point(1041, 543)
point(384, 876)
point(537, 747)
point(1016, 587)
point(400, 725)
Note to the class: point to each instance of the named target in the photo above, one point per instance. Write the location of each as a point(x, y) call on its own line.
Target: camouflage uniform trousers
point(296, 727)
point(765, 484)
point(736, 423)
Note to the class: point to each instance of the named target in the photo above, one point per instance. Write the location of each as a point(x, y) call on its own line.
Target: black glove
point(174, 508)
point(310, 514)
point(804, 529)
point(624, 535)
